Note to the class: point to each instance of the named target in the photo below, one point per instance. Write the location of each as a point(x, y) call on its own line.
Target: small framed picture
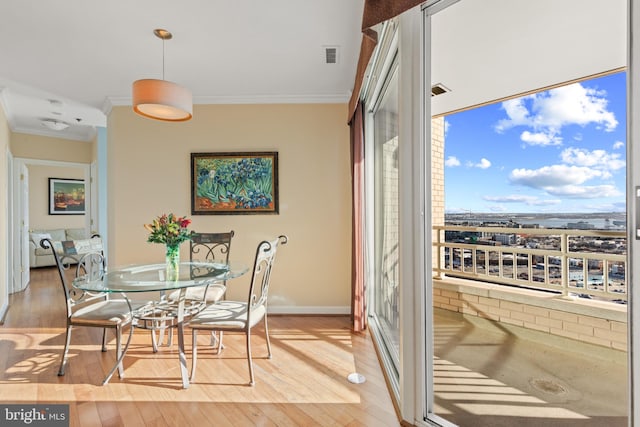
point(66, 196)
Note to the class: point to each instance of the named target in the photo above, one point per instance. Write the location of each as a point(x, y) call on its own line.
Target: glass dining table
point(153, 278)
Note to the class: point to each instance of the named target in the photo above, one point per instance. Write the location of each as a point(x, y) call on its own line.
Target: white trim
point(338, 98)
point(39, 162)
point(415, 191)
point(101, 184)
point(386, 63)
point(633, 181)
point(17, 215)
point(4, 102)
point(319, 310)
point(86, 137)
point(6, 246)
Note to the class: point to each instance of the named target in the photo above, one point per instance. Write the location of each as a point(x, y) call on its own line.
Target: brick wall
point(607, 330)
point(437, 177)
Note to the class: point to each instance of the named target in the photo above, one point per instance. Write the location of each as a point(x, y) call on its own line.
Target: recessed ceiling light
point(54, 124)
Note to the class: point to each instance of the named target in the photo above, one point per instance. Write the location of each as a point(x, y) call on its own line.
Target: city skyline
point(562, 150)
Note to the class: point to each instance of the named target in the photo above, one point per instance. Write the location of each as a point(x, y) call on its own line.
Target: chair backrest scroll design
point(210, 246)
point(90, 261)
point(260, 280)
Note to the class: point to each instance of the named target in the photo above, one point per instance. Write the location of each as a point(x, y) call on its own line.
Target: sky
point(562, 150)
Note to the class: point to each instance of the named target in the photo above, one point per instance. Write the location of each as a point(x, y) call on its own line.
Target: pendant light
point(162, 99)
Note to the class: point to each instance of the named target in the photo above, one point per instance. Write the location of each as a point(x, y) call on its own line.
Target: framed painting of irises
point(234, 183)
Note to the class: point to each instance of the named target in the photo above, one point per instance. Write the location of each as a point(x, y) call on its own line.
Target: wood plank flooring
point(304, 384)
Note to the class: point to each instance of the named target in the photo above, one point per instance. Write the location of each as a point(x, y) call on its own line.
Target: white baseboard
point(318, 310)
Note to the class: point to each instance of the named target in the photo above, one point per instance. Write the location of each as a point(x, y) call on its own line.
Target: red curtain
point(358, 306)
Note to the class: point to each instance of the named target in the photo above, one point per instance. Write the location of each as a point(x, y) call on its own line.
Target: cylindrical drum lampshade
point(162, 100)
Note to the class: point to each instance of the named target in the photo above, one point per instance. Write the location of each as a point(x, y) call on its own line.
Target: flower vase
point(173, 262)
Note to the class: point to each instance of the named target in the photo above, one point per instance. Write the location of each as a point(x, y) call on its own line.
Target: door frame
point(423, 401)
point(19, 215)
point(633, 208)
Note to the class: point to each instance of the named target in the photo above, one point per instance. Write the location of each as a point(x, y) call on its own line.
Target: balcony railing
point(583, 263)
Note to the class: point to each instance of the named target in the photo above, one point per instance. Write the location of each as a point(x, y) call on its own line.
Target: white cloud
point(513, 198)
point(584, 192)
point(547, 112)
point(452, 161)
point(582, 157)
point(447, 125)
point(573, 104)
point(517, 112)
point(618, 145)
point(566, 180)
point(547, 202)
point(597, 159)
point(483, 164)
point(519, 198)
point(540, 138)
point(552, 176)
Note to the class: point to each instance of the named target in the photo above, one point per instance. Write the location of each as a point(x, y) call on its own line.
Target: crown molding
point(107, 106)
point(4, 101)
point(66, 134)
point(343, 98)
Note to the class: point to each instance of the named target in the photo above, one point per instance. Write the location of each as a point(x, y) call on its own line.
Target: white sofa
point(39, 257)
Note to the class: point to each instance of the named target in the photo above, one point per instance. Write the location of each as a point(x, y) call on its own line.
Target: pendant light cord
point(162, 59)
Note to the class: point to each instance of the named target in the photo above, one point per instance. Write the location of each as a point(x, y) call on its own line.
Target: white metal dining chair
point(84, 308)
point(241, 316)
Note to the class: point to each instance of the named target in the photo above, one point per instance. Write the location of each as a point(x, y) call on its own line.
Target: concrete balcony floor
point(491, 374)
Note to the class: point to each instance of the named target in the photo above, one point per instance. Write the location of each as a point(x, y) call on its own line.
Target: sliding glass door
point(387, 280)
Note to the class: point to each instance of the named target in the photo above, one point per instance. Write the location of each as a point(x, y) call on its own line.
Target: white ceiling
point(489, 50)
point(87, 53)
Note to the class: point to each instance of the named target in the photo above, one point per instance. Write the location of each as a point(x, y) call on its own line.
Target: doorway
point(31, 210)
point(523, 64)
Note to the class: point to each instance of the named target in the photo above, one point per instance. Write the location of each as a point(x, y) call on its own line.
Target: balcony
point(558, 260)
point(528, 328)
point(570, 283)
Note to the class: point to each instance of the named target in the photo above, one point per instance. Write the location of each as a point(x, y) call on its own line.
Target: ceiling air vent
point(439, 89)
point(331, 54)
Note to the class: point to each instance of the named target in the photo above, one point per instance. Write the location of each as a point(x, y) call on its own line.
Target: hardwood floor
point(304, 384)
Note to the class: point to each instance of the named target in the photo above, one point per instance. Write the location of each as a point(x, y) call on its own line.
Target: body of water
point(598, 223)
point(604, 222)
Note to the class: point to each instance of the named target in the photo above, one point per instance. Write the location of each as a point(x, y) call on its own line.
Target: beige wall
point(39, 217)
point(47, 148)
point(149, 171)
